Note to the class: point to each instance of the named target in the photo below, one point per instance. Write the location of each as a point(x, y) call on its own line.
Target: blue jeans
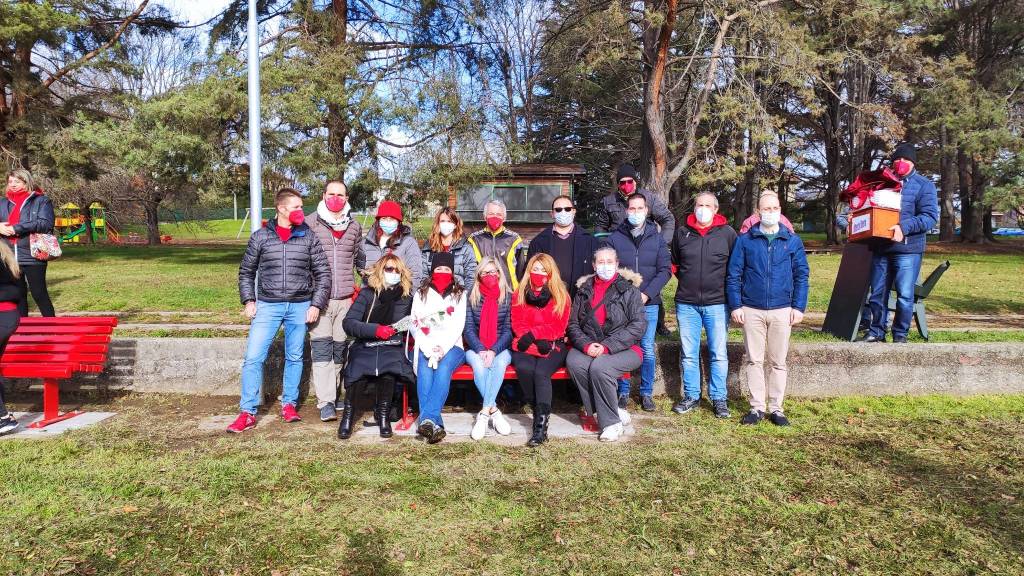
point(647, 366)
point(714, 320)
point(488, 380)
point(889, 271)
point(269, 318)
point(432, 384)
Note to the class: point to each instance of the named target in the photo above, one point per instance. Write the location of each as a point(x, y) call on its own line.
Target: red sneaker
point(289, 414)
point(244, 422)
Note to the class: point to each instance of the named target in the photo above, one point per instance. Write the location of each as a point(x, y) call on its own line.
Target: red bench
point(465, 372)
point(56, 349)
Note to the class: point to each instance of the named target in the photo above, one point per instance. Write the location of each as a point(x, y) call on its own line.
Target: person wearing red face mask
point(294, 287)
point(896, 263)
point(488, 335)
point(439, 317)
point(497, 241)
point(540, 314)
point(339, 235)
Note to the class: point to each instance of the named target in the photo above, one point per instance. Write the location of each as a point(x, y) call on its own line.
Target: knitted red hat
point(389, 208)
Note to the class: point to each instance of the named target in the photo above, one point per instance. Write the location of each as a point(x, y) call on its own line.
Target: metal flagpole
point(255, 158)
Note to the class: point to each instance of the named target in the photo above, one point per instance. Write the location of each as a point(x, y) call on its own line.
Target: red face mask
point(335, 203)
point(902, 167)
point(495, 222)
point(441, 280)
point(538, 280)
point(489, 282)
point(627, 188)
point(296, 217)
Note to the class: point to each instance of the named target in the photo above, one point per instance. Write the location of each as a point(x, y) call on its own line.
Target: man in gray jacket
point(294, 287)
point(340, 236)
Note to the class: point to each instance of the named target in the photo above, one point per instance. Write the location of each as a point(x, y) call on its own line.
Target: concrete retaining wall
point(212, 366)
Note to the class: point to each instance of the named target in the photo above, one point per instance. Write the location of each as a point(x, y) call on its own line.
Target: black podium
point(853, 282)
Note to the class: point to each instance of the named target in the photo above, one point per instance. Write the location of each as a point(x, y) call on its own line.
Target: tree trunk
point(977, 232)
point(653, 141)
point(947, 220)
point(338, 127)
point(152, 208)
point(832, 165)
point(964, 180)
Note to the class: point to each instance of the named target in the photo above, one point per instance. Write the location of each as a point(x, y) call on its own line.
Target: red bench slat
point(90, 348)
point(465, 372)
point(75, 357)
point(62, 330)
point(59, 338)
point(69, 321)
point(58, 371)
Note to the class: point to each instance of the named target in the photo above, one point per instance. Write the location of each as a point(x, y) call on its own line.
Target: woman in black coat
point(377, 355)
point(26, 210)
point(10, 293)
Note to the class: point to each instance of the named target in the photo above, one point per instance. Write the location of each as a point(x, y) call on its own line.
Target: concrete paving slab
point(84, 420)
point(458, 426)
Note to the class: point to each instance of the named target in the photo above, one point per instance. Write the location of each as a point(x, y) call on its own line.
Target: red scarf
point(489, 315)
point(600, 287)
point(18, 198)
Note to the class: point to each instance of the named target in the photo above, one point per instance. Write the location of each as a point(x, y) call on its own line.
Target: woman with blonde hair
point(540, 314)
point(377, 354)
point(10, 294)
point(25, 211)
point(447, 236)
point(488, 335)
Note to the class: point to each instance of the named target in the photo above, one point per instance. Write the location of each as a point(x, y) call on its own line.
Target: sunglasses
point(564, 209)
point(391, 269)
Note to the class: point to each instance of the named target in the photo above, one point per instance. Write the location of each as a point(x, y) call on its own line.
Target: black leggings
point(8, 324)
point(36, 277)
point(534, 374)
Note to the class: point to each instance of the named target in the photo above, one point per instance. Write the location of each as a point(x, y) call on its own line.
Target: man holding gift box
point(896, 263)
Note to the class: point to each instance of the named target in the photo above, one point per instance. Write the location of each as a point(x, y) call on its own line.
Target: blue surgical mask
point(564, 218)
point(388, 226)
point(392, 278)
point(605, 271)
point(637, 218)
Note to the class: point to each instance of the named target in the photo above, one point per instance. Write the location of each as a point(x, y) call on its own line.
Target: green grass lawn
point(930, 486)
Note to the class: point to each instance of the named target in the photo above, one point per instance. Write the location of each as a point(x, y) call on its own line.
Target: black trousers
point(8, 324)
point(534, 374)
point(35, 275)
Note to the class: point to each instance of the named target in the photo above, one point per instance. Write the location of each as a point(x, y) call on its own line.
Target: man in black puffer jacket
point(294, 287)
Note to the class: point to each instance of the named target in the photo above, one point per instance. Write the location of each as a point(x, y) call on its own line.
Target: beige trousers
point(766, 338)
point(327, 347)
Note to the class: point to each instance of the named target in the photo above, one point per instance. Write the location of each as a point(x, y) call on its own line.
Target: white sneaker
point(480, 426)
point(501, 425)
point(611, 433)
point(624, 417)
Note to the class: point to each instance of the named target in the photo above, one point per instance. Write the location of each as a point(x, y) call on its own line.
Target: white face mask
point(392, 278)
point(703, 214)
point(446, 228)
point(770, 219)
point(564, 218)
point(605, 271)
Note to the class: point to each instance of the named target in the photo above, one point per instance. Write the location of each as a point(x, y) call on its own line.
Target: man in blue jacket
point(766, 287)
point(897, 263)
point(641, 248)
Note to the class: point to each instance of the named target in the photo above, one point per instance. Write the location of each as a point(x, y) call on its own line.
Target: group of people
point(25, 211)
point(589, 303)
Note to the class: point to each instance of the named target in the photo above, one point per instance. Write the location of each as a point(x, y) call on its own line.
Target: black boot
point(541, 415)
point(383, 408)
point(345, 428)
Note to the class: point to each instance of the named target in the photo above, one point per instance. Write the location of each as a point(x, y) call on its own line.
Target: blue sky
point(195, 11)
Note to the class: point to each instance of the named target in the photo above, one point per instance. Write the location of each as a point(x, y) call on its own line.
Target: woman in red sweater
point(540, 314)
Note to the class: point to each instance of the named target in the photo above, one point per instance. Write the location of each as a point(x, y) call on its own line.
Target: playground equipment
point(70, 223)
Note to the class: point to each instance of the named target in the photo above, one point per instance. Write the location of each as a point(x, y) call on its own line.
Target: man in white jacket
point(439, 316)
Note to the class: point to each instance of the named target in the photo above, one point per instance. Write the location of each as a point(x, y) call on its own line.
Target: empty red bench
point(56, 349)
